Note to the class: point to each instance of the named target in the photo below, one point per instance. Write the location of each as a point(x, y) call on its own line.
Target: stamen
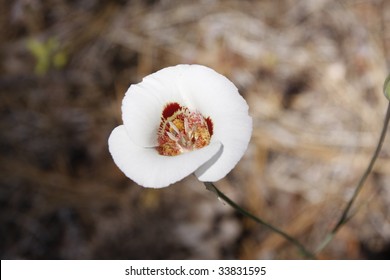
point(182, 130)
point(173, 126)
point(186, 127)
point(171, 136)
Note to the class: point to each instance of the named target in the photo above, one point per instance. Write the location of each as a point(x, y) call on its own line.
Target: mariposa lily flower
point(181, 120)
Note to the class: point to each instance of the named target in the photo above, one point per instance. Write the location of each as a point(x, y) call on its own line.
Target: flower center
point(182, 130)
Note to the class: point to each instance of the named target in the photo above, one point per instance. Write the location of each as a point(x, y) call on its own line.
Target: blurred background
point(311, 71)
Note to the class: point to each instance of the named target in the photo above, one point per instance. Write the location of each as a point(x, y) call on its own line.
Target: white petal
point(143, 104)
point(235, 140)
point(215, 96)
point(149, 169)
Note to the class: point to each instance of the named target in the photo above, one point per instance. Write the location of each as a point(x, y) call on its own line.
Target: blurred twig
point(386, 90)
point(211, 187)
point(344, 217)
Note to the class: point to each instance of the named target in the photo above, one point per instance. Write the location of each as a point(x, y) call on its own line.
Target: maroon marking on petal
point(210, 125)
point(170, 109)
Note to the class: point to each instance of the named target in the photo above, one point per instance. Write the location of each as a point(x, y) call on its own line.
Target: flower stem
point(344, 216)
point(211, 187)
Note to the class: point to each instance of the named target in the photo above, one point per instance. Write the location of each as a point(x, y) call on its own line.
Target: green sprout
point(47, 54)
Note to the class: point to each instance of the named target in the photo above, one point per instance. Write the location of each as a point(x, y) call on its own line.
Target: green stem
point(344, 216)
point(211, 187)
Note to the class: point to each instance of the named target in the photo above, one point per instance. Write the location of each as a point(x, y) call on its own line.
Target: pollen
point(182, 130)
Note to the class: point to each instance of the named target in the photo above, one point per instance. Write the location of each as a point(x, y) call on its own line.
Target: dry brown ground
point(311, 71)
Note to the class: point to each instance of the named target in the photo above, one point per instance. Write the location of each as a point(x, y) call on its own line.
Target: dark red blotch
point(170, 109)
point(210, 125)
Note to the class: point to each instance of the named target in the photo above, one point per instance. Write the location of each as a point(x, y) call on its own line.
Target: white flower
point(181, 120)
